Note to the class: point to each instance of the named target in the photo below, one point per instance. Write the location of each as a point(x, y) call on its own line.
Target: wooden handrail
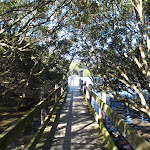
point(136, 141)
point(8, 136)
point(111, 144)
point(37, 136)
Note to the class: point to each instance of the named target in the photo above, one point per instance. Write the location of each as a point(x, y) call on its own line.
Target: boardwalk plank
point(75, 128)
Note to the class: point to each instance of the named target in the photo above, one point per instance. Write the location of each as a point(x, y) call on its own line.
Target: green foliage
point(114, 45)
point(26, 38)
point(74, 69)
point(146, 4)
point(39, 38)
point(86, 73)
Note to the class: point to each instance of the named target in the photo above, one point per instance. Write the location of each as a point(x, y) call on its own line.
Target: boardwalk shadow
point(50, 137)
point(67, 138)
point(73, 128)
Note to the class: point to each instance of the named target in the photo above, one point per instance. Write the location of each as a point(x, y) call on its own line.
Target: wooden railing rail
point(110, 142)
point(10, 134)
point(37, 136)
point(135, 140)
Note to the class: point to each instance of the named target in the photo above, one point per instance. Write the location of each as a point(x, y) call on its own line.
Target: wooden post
point(62, 89)
point(90, 96)
point(102, 115)
point(66, 84)
point(81, 84)
point(84, 87)
point(44, 111)
point(56, 94)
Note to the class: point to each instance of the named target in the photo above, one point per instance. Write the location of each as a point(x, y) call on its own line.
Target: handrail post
point(59, 90)
point(102, 115)
point(44, 111)
point(81, 84)
point(62, 89)
point(90, 96)
point(56, 94)
point(84, 87)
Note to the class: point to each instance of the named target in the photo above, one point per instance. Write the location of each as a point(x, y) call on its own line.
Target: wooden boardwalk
point(75, 128)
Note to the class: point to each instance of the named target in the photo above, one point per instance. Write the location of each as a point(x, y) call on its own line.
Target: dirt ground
point(8, 115)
